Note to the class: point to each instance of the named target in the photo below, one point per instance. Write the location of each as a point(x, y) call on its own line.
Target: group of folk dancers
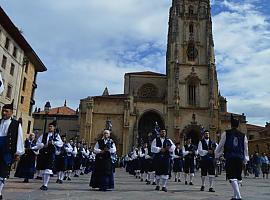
point(56, 154)
point(51, 154)
point(154, 162)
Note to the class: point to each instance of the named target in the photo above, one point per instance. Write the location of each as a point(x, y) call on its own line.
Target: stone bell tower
point(191, 72)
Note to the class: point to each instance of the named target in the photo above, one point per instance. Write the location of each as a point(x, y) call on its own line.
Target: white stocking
point(235, 186)
point(46, 179)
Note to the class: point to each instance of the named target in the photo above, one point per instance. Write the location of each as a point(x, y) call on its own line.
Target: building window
point(24, 84)
point(12, 68)
point(28, 127)
point(15, 50)
point(26, 67)
point(7, 43)
point(192, 94)
point(4, 62)
point(251, 137)
point(192, 52)
point(190, 10)
point(22, 99)
point(9, 91)
point(30, 109)
point(191, 28)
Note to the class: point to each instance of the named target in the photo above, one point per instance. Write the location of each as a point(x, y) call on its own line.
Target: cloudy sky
point(90, 44)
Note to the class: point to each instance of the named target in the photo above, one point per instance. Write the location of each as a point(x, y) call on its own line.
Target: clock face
point(192, 52)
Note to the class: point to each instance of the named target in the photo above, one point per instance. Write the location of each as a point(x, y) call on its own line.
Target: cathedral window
point(192, 52)
point(190, 10)
point(192, 94)
point(177, 10)
point(191, 28)
point(148, 90)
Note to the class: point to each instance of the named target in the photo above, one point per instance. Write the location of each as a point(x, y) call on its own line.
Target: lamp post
point(46, 110)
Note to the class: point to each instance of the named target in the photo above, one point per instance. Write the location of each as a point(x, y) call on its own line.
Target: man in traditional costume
point(163, 148)
point(234, 145)
point(11, 143)
point(48, 142)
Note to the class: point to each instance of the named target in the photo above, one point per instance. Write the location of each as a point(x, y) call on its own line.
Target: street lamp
point(46, 110)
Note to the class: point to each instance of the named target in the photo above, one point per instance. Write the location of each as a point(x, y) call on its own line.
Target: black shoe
point(211, 190)
point(69, 179)
point(154, 183)
point(65, 178)
point(157, 188)
point(179, 180)
point(148, 183)
point(26, 180)
point(164, 189)
point(60, 182)
point(141, 180)
point(185, 182)
point(57, 181)
point(175, 180)
point(43, 187)
point(1, 197)
point(202, 188)
point(190, 183)
point(81, 173)
point(76, 175)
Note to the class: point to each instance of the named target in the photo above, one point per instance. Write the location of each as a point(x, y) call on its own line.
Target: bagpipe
point(109, 145)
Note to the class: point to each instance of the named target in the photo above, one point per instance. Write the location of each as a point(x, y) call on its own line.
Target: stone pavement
point(127, 187)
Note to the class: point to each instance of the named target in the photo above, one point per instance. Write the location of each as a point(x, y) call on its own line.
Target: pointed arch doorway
point(146, 125)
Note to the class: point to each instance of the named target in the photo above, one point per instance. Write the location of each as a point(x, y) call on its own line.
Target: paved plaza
point(127, 187)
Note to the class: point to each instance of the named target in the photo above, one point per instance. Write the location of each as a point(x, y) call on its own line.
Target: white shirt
point(155, 149)
point(98, 150)
point(4, 125)
point(200, 149)
point(220, 148)
point(58, 143)
point(187, 152)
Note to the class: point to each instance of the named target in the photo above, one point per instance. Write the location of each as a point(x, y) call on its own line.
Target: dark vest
point(109, 145)
point(190, 148)
point(208, 147)
point(12, 136)
point(180, 153)
point(166, 143)
point(234, 145)
point(143, 151)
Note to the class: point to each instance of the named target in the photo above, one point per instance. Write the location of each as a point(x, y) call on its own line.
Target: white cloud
point(242, 39)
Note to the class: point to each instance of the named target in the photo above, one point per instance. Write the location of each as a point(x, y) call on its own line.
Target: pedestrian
point(234, 145)
point(256, 164)
point(11, 143)
point(189, 152)
point(206, 150)
point(60, 161)
point(163, 149)
point(177, 163)
point(102, 176)
point(265, 165)
point(26, 166)
point(47, 143)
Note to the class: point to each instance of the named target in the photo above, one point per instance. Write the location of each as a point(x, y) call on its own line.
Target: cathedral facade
point(185, 100)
